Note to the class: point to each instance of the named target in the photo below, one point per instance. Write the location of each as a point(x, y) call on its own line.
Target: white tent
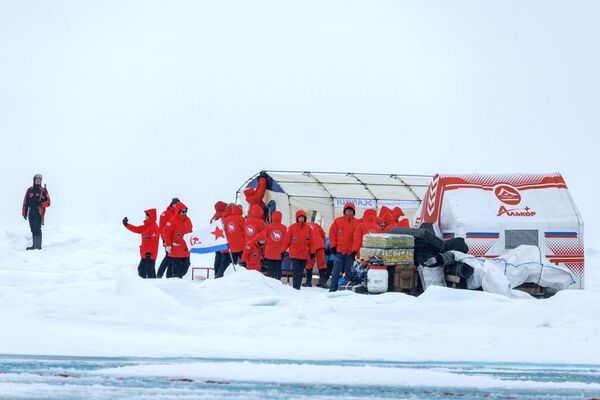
point(323, 194)
point(497, 213)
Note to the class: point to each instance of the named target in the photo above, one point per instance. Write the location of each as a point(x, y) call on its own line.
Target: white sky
point(122, 105)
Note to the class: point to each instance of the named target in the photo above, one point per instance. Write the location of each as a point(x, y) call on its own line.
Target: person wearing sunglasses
point(178, 226)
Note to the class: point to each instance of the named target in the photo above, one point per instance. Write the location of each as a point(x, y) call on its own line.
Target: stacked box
point(406, 277)
point(389, 256)
point(388, 241)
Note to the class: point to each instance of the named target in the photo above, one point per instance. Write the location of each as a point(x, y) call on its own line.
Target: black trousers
point(146, 268)
point(217, 263)
point(165, 264)
point(180, 266)
point(35, 222)
point(226, 262)
point(273, 268)
point(298, 267)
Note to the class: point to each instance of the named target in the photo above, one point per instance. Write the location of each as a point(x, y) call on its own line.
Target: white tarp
point(514, 268)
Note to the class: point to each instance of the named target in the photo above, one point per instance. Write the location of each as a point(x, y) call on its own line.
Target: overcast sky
point(122, 105)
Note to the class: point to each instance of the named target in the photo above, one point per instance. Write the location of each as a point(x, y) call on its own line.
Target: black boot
point(323, 279)
point(308, 282)
point(38, 243)
point(32, 247)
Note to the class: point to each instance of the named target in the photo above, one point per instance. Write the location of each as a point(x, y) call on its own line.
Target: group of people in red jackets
point(258, 245)
point(173, 225)
point(260, 241)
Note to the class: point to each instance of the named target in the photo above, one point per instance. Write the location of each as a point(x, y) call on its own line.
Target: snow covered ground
point(81, 296)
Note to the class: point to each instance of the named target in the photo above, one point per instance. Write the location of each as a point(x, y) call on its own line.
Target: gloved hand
point(25, 216)
point(282, 255)
point(168, 249)
point(148, 255)
point(125, 221)
point(312, 256)
point(333, 251)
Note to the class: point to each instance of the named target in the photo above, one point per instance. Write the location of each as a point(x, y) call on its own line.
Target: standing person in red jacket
point(165, 216)
point(220, 207)
point(400, 218)
point(368, 225)
point(273, 236)
point(341, 236)
point(149, 247)
point(298, 239)
point(254, 196)
point(175, 230)
point(317, 249)
point(255, 224)
point(234, 224)
point(35, 203)
point(390, 222)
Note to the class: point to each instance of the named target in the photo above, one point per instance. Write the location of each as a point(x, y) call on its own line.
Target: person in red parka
point(298, 239)
point(165, 216)
point(317, 249)
point(220, 207)
point(400, 218)
point(253, 254)
point(254, 196)
point(390, 222)
point(341, 237)
point(149, 247)
point(255, 224)
point(273, 235)
point(175, 230)
point(368, 225)
point(234, 224)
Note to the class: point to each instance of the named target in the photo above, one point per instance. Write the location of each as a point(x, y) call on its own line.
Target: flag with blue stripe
point(207, 239)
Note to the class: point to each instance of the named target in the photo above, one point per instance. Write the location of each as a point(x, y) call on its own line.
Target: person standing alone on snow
point(35, 203)
point(175, 230)
point(149, 247)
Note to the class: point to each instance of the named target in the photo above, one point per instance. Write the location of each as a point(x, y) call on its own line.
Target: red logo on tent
point(508, 195)
point(194, 240)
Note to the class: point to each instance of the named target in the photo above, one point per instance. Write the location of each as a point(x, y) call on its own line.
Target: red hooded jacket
point(150, 234)
point(298, 239)
point(341, 233)
point(254, 196)
point(178, 226)
point(252, 255)
point(399, 216)
point(255, 224)
point(273, 235)
point(234, 229)
point(220, 206)
point(368, 225)
point(390, 222)
point(165, 216)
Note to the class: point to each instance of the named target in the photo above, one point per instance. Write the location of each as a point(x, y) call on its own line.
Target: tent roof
point(348, 185)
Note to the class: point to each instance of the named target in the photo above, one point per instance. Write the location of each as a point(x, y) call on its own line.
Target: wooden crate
point(403, 278)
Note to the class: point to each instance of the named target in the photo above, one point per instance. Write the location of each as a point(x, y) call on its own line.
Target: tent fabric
point(325, 193)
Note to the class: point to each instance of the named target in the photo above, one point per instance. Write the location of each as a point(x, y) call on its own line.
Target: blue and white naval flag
point(207, 239)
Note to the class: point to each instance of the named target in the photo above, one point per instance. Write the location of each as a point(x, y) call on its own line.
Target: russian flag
point(207, 239)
